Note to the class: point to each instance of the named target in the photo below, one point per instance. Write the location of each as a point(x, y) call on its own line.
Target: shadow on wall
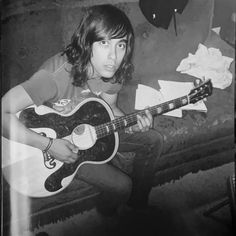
point(27, 40)
point(225, 17)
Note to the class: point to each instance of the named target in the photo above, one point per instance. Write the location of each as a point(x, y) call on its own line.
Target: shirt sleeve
point(41, 87)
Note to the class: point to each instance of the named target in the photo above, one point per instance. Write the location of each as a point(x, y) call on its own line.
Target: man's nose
point(112, 53)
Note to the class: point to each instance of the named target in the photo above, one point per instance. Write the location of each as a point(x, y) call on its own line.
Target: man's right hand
point(63, 150)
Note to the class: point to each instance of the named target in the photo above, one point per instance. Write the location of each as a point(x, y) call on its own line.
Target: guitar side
point(31, 172)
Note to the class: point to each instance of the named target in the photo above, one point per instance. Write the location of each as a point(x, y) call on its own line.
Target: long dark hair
point(99, 22)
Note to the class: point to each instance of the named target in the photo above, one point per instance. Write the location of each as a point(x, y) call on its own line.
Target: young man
point(97, 62)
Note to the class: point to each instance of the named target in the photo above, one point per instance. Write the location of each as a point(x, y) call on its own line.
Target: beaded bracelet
point(49, 145)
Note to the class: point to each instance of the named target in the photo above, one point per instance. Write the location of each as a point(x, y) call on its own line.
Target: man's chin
point(108, 75)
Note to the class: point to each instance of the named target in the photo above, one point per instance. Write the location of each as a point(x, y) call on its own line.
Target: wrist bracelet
point(49, 145)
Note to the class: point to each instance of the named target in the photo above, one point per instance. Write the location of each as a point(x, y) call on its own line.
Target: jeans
point(116, 186)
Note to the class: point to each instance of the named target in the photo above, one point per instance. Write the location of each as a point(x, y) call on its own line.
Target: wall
point(34, 30)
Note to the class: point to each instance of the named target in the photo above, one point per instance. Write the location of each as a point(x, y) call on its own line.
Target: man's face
point(107, 56)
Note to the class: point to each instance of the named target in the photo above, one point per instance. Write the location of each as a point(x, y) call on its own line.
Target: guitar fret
point(165, 107)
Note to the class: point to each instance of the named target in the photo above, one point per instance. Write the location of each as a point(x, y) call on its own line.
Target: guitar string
point(108, 127)
point(119, 123)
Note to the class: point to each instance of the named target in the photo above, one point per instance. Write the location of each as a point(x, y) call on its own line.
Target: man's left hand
point(144, 123)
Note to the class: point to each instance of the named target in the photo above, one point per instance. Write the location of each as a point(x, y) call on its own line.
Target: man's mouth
point(110, 67)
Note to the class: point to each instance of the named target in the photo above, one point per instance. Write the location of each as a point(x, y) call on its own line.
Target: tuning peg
point(197, 82)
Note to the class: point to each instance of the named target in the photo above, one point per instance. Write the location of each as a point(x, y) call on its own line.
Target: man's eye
point(104, 42)
point(122, 45)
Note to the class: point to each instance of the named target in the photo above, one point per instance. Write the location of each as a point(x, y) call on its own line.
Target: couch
point(197, 141)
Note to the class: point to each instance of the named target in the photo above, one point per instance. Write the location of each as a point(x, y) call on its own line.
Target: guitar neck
point(131, 119)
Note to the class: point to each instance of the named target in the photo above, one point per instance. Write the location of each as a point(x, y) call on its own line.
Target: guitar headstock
point(202, 91)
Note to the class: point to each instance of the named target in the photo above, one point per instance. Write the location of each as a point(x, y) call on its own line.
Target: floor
point(179, 208)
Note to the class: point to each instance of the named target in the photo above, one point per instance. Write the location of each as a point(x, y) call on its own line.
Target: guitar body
point(36, 174)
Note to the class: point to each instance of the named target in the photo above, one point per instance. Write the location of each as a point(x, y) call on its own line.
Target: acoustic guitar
point(91, 126)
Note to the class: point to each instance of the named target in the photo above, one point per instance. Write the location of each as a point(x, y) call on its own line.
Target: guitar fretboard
point(131, 119)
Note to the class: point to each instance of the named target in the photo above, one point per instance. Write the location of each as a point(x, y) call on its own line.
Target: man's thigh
point(136, 141)
point(105, 177)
